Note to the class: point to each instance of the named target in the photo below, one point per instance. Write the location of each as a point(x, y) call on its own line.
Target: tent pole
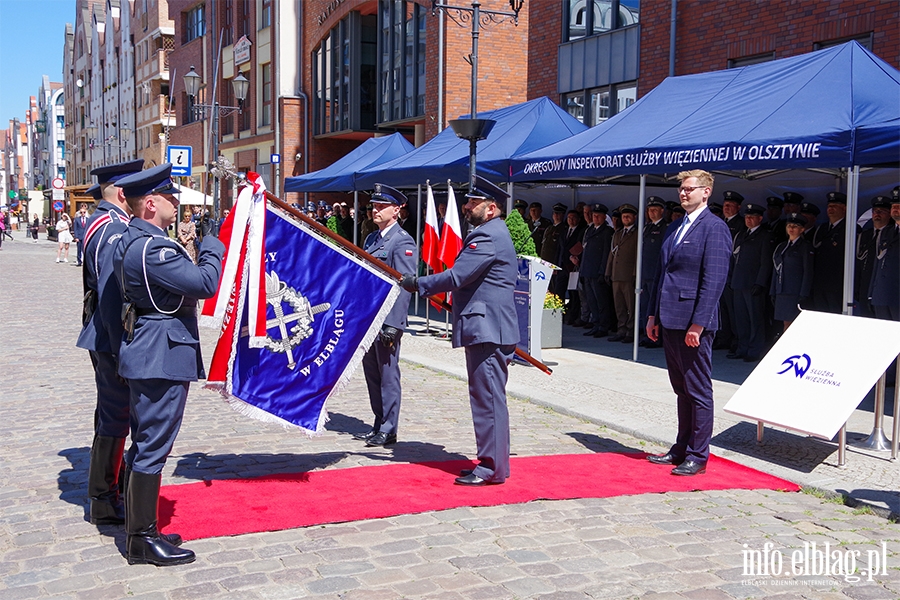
point(850, 238)
point(419, 253)
point(356, 217)
point(637, 270)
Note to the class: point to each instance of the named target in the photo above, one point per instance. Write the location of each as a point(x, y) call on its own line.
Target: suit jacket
point(792, 269)
point(397, 250)
point(538, 228)
point(752, 259)
point(692, 275)
point(828, 246)
point(103, 331)
point(885, 286)
point(164, 346)
point(596, 244)
point(736, 225)
point(622, 262)
point(483, 280)
point(566, 244)
point(79, 228)
point(865, 261)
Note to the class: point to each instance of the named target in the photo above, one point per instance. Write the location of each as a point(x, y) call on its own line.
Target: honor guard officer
point(160, 350)
point(484, 322)
point(392, 245)
point(100, 335)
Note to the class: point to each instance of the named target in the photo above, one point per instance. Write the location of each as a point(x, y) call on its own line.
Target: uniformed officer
point(716, 209)
point(596, 243)
point(484, 322)
point(538, 224)
point(100, 335)
point(866, 251)
point(828, 246)
point(654, 234)
point(522, 207)
point(751, 274)
point(381, 364)
point(731, 208)
point(160, 349)
point(811, 213)
point(725, 336)
point(884, 291)
point(792, 275)
point(621, 269)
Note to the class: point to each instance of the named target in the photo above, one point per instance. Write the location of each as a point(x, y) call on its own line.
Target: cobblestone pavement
point(676, 545)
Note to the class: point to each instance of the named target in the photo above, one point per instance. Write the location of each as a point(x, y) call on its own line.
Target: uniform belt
point(187, 311)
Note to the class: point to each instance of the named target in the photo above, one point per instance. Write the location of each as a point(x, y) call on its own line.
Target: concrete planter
point(551, 329)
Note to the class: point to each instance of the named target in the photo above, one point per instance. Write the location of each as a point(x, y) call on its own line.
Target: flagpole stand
point(877, 440)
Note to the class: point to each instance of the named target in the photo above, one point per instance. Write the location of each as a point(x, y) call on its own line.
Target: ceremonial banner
point(323, 309)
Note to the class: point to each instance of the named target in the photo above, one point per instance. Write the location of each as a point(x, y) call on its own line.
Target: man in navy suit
point(392, 245)
point(79, 228)
point(684, 311)
point(484, 322)
point(159, 353)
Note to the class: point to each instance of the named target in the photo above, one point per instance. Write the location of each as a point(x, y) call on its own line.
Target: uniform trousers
point(598, 294)
point(690, 372)
point(381, 366)
point(726, 333)
point(647, 287)
point(887, 313)
point(750, 323)
point(827, 300)
point(113, 400)
point(157, 409)
point(623, 298)
point(488, 369)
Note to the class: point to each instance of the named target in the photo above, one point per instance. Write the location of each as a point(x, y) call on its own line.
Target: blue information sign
point(180, 157)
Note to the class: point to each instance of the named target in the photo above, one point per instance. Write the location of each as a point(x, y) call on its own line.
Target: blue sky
point(32, 34)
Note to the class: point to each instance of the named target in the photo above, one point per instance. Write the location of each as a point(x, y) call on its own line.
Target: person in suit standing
point(100, 335)
point(550, 247)
point(596, 243)
point(538, 224)
point(828, 266)
point(569, 250)
point(484, 323)
point(621, 270)
point(792, 272)
point(884, 291)
point(160, 350)
point(751, 276)
point(392, 245)
point(79, 226)
point(654, 234)
point(693, 264)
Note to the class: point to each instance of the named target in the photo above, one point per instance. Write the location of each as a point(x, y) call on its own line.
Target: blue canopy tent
point(338, 177)
point(520, 128)
point(834, 108)
point(825, 111)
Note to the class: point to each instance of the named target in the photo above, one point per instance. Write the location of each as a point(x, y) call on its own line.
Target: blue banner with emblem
point(324, 308)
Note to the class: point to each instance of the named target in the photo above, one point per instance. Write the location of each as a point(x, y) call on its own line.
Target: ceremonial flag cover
point(323, 308)
point(286, 501)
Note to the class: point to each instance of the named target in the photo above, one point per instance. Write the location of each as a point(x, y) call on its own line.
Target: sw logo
point(799, 362)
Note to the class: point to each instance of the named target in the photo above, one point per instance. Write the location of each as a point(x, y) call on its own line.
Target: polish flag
point(431, 237)
point(451, 236)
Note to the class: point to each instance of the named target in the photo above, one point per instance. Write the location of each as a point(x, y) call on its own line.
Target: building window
point(589, 17)
point(345, 76)
point(228, 26)
point(746, 61)
point(266, 77)
point(190, 115)
point(244, 19)
point(265, 14)
point(227, 123)
point(865, 41)
point(401, 66)
point(603, 102)
point(244, 120)
point(194, 23)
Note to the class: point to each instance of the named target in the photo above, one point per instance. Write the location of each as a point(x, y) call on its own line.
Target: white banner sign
point(818, 372)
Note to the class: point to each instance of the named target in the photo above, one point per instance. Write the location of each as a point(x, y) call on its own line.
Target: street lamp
point(240, 85)
point(474, 129)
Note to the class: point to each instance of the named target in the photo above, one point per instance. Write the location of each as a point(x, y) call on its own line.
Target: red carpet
point(273, 503)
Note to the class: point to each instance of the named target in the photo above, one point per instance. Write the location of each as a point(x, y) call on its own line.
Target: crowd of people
point(783, 260)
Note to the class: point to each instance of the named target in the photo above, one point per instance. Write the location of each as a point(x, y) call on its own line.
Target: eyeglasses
point(689, 189)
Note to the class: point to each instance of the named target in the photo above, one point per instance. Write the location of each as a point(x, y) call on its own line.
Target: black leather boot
point(103, 484)
point(172, 538)
point(144, 544)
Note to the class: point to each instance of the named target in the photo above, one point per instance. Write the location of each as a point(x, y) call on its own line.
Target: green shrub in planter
point(520, 234)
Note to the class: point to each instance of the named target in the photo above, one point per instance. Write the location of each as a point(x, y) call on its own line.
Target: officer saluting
point(484, 322)
point(381, 364)
point(160, 351)
point(100, 335)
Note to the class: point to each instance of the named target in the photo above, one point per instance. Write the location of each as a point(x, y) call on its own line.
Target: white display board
point(818, 372)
